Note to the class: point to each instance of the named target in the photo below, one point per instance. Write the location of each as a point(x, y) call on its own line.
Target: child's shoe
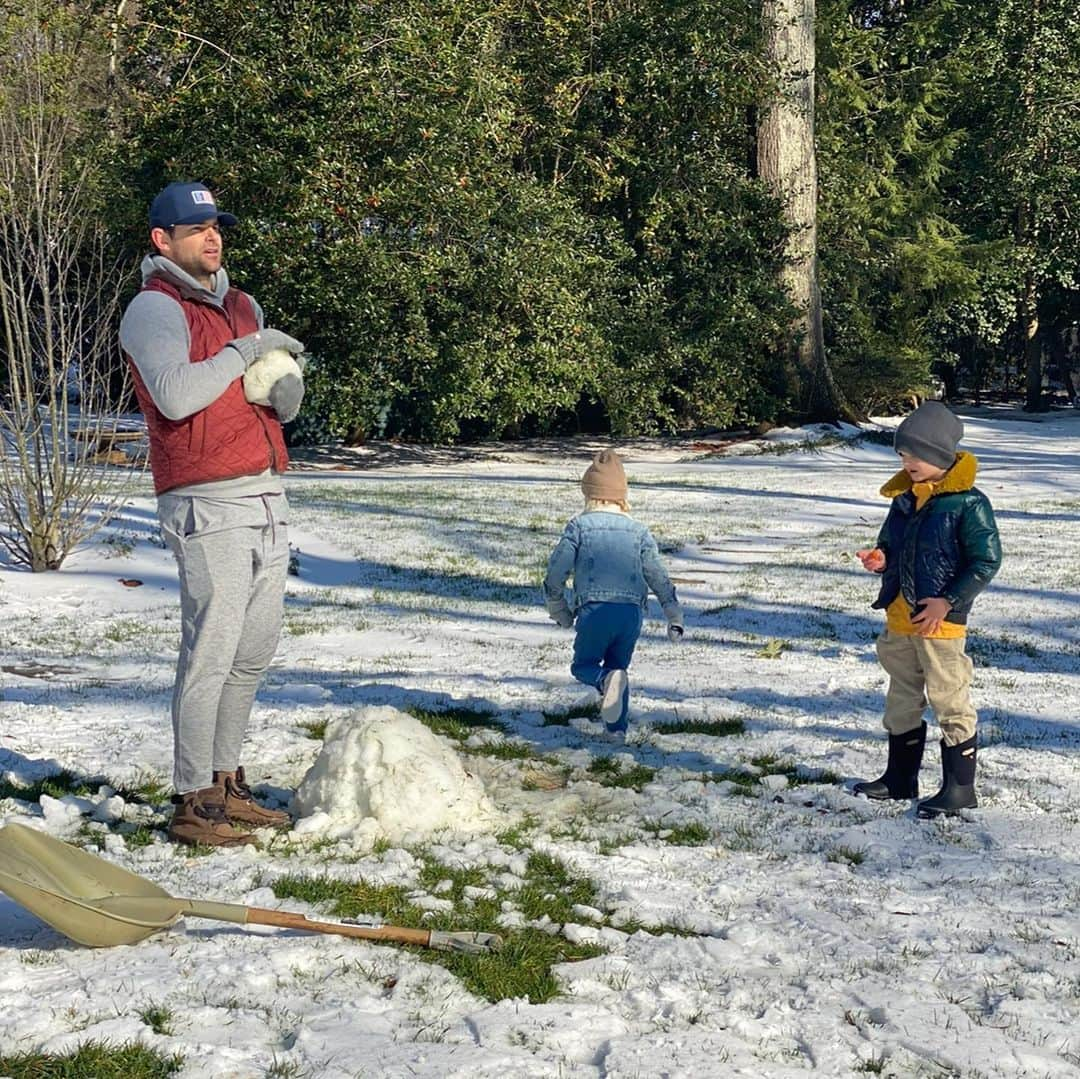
point(615, 701)
point(957, 782)
point(901, 778)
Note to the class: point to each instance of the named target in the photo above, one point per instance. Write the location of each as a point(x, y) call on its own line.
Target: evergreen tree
point(895, 258)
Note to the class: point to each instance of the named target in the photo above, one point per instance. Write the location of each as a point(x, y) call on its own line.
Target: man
point(217, 463)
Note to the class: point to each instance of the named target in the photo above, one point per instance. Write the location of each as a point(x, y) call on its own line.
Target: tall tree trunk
point(1026, 230)
point(1033, 353)
point(787, 162)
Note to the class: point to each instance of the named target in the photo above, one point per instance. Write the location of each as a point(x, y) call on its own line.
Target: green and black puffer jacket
point(949, 548)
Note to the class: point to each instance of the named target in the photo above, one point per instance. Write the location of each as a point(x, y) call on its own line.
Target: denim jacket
point(613, 559)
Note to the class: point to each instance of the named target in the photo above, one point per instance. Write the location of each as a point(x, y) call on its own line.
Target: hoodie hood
point(160, 266)
point(961, 477)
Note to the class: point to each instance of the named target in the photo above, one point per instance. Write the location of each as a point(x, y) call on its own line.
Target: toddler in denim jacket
point(614, 562)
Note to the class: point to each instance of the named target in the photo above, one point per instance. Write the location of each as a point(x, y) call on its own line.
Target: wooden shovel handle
point(288, 920)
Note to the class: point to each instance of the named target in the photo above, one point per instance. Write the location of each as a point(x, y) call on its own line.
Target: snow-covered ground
point(765, 926)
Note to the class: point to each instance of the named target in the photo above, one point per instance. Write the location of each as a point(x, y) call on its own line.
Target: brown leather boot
point(240, 804)
point(199, 817)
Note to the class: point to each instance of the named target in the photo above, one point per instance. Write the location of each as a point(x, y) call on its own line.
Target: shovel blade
point(66, 887)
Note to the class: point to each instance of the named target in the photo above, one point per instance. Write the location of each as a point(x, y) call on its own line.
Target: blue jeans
point(606, 636)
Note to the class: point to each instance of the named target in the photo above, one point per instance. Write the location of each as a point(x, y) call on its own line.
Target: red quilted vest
point(228, 438)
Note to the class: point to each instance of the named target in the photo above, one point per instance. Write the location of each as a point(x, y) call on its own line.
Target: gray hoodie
point(154, 333)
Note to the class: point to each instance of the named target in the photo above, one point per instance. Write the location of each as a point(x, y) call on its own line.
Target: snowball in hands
point(260, 377)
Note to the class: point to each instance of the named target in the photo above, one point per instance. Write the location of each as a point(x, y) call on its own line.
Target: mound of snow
point(383, 773)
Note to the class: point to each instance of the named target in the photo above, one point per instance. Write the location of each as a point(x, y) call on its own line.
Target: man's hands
point(285, 397)
point(563, 617)
point(873, 559)
point(253, 345)
point(931, 613)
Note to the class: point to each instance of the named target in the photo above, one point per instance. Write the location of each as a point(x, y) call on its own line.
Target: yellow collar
point(961, 477)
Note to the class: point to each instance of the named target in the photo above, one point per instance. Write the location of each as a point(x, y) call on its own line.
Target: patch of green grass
point(347, 899)
point(716, 728)
point(745, 781)
point(872, 1066)
point(606, 771)
point(142, 836)
point(579, 711)
point(507, 751)
point(56, 786)
point(551, 889)
point(516, 836)
point(851, 855)
point(771, 765)
point(315, 728)
point(147, 789)
point(658, 930)
point(126, 630)
point(433, 873)
point(616, 842)
point(521, 968)
point(457, 723)
point(692, 834)
point(285, 1069)
point(158, 1018)
point(93, 1060)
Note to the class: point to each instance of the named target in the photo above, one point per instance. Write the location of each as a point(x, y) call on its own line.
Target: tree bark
point(1026, 233)
point(787, 162)
point(1033, 357)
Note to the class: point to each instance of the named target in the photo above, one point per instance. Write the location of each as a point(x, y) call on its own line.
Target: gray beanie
point(605, 479)
point(930, 433)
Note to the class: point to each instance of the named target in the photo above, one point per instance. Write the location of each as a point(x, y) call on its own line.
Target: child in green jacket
point(937, 550)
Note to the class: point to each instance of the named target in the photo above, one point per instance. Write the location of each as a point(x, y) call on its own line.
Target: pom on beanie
point(604, 479)
point(930, 433)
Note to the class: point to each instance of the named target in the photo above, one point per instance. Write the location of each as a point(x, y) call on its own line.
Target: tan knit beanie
point(605, 479)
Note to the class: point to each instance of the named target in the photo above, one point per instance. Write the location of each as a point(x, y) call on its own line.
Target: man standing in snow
point(217, 463)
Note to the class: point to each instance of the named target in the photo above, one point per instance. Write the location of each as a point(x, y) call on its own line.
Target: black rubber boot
point(901, 778)
point(957, 783)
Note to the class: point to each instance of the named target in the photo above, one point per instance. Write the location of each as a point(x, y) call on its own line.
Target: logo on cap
point(202, 198)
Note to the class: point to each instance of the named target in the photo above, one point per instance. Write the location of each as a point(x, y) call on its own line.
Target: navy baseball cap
point(186, 204)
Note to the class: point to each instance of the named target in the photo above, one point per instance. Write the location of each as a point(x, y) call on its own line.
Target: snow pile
point(383, 773)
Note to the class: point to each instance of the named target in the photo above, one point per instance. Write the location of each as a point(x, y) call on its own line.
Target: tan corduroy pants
point(925, 670)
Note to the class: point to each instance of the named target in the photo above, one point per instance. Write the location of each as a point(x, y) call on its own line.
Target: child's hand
point(873, 559)
point(675, 632)
point(931, 614)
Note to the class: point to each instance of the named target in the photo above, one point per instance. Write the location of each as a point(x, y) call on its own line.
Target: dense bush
point(483, 219)
point(504, 218)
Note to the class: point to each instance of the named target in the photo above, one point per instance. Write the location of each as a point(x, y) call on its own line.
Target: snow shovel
point(100, 905)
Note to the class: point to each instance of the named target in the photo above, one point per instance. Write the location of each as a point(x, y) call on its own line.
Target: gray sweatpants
point(233, 556)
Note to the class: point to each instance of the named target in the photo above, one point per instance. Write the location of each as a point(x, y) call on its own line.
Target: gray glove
point(285, 397)
point(675, 632)
point(564, 618)
point(253, 345)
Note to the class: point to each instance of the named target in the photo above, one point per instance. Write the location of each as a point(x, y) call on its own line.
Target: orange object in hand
point(873, 560)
